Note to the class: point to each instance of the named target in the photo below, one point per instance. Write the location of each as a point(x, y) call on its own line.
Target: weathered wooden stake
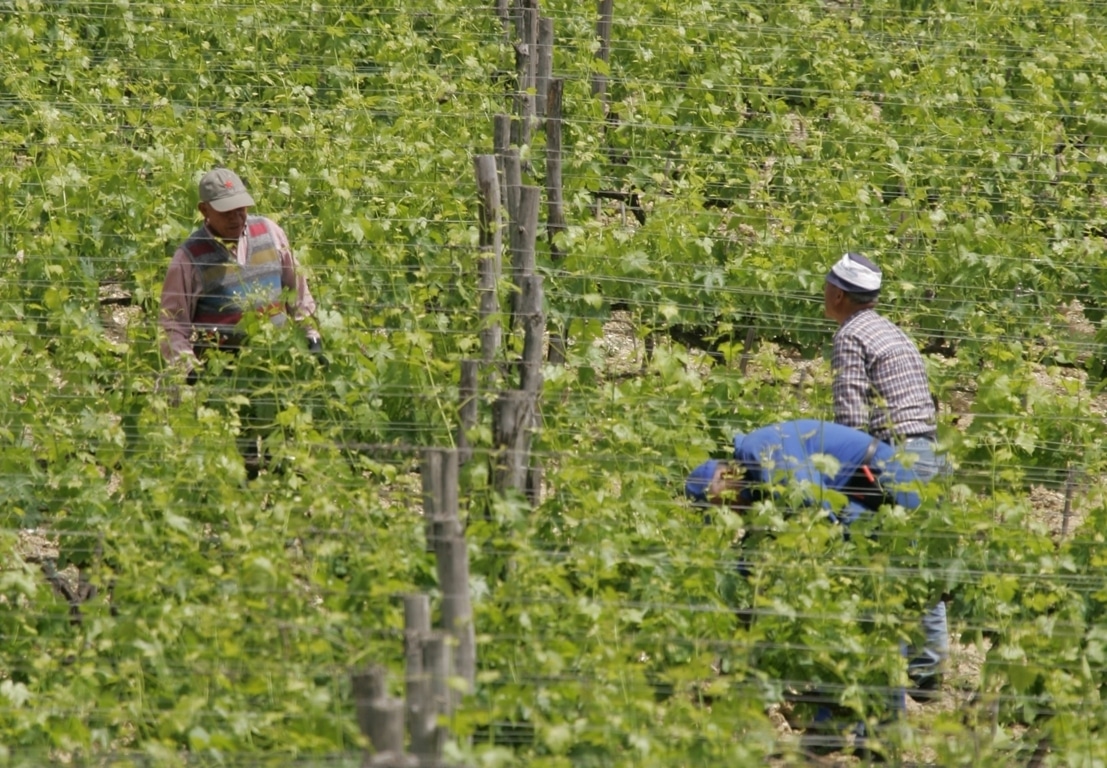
point(555, 205)
point(421, 715)
point(439, 472)
point(513, 183)
point(531, 298)
point(747, 350)
point(524, 233)
point(603, 53)
point(430, 472)
point(501, 143)
point(457, 610)
point(452, 557)
point(544, 64)
point(380, 717)
point(489, 266)
point(526, 66)
point(467, 409)
point(1066, 512)
point(437, 658)
point(511, 415)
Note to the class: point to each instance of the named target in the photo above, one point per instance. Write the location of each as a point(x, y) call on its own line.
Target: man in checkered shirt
point(880, 382)
point(881, 387)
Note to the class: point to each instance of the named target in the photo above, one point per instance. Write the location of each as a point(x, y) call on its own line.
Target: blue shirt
point(781, 454)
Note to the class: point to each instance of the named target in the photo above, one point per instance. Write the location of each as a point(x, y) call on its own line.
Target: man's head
point(717, 482)
point(224, 203)
point(852, 284)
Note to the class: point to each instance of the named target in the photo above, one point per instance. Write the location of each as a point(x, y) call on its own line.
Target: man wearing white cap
point(235, 263)
point(880, 381)
point(881, 387)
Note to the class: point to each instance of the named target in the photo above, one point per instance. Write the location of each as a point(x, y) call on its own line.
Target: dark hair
point(868, 297)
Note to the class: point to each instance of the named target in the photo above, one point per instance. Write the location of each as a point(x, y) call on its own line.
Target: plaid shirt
point(880, 383)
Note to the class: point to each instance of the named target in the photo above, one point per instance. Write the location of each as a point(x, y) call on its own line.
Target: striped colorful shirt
point(880, 382)
point(208, 286)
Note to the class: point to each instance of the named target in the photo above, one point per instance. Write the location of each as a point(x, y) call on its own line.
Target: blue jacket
point(780, 454)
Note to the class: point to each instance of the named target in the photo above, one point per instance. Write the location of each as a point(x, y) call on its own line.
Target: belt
point(932, 435)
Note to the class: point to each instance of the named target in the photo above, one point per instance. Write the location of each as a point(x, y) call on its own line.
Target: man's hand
point(315, 347)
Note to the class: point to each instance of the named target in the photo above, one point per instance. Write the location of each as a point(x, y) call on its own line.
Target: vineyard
point(706, 164)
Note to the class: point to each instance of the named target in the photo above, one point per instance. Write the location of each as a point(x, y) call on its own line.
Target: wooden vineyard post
point(530, 378)
point(603, 52)
point(514, 416)
point(509, 417)
point(437, 663)
point(489, 265)
point(544, 64)
point(466, 409)
point(533, 321)
point(1066, 512)
point(555, 204)
point(510, 179)
point(381, 719)
point(526, 67)
point(430, 473)
point(523, 238)
point(747, 350)
point(452, 556)
point(421, 716)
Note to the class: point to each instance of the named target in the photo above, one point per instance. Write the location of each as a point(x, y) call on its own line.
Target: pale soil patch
point(622, 350)
point(34, 546)
point(116, 314)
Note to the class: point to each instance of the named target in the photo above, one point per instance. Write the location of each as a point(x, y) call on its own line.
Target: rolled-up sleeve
point(178, 302)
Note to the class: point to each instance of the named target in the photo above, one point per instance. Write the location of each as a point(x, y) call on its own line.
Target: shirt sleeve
point(178, 303)
point(293, 279)
point(851, 383)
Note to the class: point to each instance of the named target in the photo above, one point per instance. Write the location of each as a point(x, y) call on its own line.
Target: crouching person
point(822, 462)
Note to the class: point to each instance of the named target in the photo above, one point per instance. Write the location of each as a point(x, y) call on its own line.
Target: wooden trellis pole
point(489, 265)
point(510, 181)
point(440, 495)
point(544, 64)
point(421, 716)
point(511, 418)
point(523, 238)
point(603, 52)
point(452, 557)
point(526, 68)
point(381, 718)
point(467, 411)
point(555, 203)
point(431, 658)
